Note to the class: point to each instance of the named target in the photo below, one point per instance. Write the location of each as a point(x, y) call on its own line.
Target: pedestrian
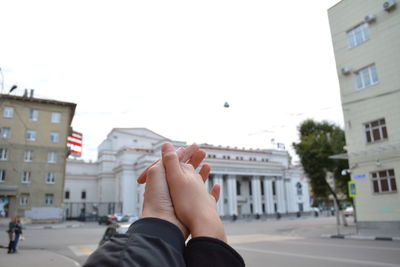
point(17, 235)
point(176, 204)
point(11, 234)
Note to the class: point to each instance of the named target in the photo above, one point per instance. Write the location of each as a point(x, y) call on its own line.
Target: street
point(287, 242)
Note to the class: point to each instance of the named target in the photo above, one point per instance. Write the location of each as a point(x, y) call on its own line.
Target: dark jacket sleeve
point(148, 242)
point(211, 252)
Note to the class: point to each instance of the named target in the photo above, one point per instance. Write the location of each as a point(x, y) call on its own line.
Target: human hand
point(157, 201)
point(194, 206)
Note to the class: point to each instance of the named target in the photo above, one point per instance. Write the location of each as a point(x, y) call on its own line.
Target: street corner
point(28, 258)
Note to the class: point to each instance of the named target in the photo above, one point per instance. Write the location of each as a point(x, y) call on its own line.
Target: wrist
point(168, 218)
point(209, 228)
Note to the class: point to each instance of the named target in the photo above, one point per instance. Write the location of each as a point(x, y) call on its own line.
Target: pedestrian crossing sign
point(352, 189)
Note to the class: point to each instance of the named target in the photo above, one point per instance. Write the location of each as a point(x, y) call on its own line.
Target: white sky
point(169, 66)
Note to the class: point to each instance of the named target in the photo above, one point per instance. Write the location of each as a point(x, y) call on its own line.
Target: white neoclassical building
point(256, 183)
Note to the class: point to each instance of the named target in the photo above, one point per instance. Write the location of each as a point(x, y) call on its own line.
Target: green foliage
point(319, 141)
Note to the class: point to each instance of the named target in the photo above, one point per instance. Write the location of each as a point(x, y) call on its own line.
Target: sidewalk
point(29, 258)
point(34, 226)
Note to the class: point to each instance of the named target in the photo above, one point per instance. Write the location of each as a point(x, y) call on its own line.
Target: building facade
point(366, 42)
point(254, 182)
point(33, 152)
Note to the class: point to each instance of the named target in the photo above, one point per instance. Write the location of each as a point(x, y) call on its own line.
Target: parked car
point(114, 230)
point(107, 219)
point(349, 211)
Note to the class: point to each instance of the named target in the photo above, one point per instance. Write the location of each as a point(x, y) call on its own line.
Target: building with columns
point(254, 183)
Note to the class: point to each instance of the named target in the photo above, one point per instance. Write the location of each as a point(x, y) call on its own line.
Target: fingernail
point(168, 147)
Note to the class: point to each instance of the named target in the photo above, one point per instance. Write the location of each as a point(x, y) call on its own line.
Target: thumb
point(171, 163)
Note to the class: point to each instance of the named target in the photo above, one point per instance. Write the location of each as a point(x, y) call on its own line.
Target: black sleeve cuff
point(161, 229)
point(203, 251)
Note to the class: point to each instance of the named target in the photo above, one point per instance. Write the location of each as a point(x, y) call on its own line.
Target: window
point(83, 195)
point(366, 77)
point(3, 154)
point(238, 189)
point(28, 155)
point(357, 35)
point(2, 176)
point(375, 131)
point(23, 201)
point(54, 137)
point(299, 189)
point(5, 133)
point(273, 188)
point(55, 117)
point(48, 199)
point(26, 177)
point(250, 189)
point(34, 114)
point(52, 157)
point(51, 178)
point(384, 181)
point(30, 135)
point(67, 194)
point(8, 112)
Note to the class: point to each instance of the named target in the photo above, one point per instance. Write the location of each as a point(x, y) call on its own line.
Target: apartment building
point(33, 152)
point(366, 42)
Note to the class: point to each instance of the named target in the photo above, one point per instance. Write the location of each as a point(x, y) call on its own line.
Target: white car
point(349, 211)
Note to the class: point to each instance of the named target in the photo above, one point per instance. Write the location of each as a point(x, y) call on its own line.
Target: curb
point(39, 227)
point(380, 238)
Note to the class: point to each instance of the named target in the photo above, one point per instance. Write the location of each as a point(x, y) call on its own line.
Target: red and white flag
point(74, 143)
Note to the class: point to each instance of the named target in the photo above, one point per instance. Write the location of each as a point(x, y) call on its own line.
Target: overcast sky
point(170, 66)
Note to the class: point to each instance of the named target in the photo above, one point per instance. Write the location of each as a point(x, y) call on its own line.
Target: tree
point(319, 141)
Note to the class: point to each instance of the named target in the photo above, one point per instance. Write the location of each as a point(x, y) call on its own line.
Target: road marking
point(83, 250)
point(340, 245)
point(244, 239)
point(363, 263)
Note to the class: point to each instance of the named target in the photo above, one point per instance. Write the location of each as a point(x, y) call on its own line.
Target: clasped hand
point(175, 192)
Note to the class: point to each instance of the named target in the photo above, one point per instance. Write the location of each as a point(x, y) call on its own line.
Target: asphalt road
point(295, 242)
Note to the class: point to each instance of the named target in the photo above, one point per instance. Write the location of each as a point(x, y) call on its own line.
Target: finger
point(197, 158)
point(205, 171)
point(142, 177)
point(184, 155)
point(187, 153)
point(171, 163)
point(215, 190)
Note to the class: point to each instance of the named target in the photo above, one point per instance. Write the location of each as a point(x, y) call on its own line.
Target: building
point(254, 182)
point(33, 152)
point(366, 42)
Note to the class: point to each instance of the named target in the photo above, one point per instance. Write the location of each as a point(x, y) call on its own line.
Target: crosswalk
point(86, 250)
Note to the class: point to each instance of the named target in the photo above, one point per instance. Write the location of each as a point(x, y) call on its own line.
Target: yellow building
point(366, 42)
point(33, 152)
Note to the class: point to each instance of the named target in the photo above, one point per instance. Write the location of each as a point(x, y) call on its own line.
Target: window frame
point(388, 179)
point(28, 155)
point(369, 131)
point(52, 157)
point(51, 178)
point(24, 200)
point(28, 135)
point(56, 117)
point(48, 197)
point(8, 112)
point(351, 35)
point(3, 174)
point(26, 177)
point(5, 133)
point(33, 114)
point(360, 77)
point(54, 137)
point(3, 154)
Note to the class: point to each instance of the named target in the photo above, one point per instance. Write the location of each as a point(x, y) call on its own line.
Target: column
point(290, 200)
point(269, 199)
point(281, 195)
point(232, 197)
point(220, 204)
point(206, 184)
point(256, 197)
